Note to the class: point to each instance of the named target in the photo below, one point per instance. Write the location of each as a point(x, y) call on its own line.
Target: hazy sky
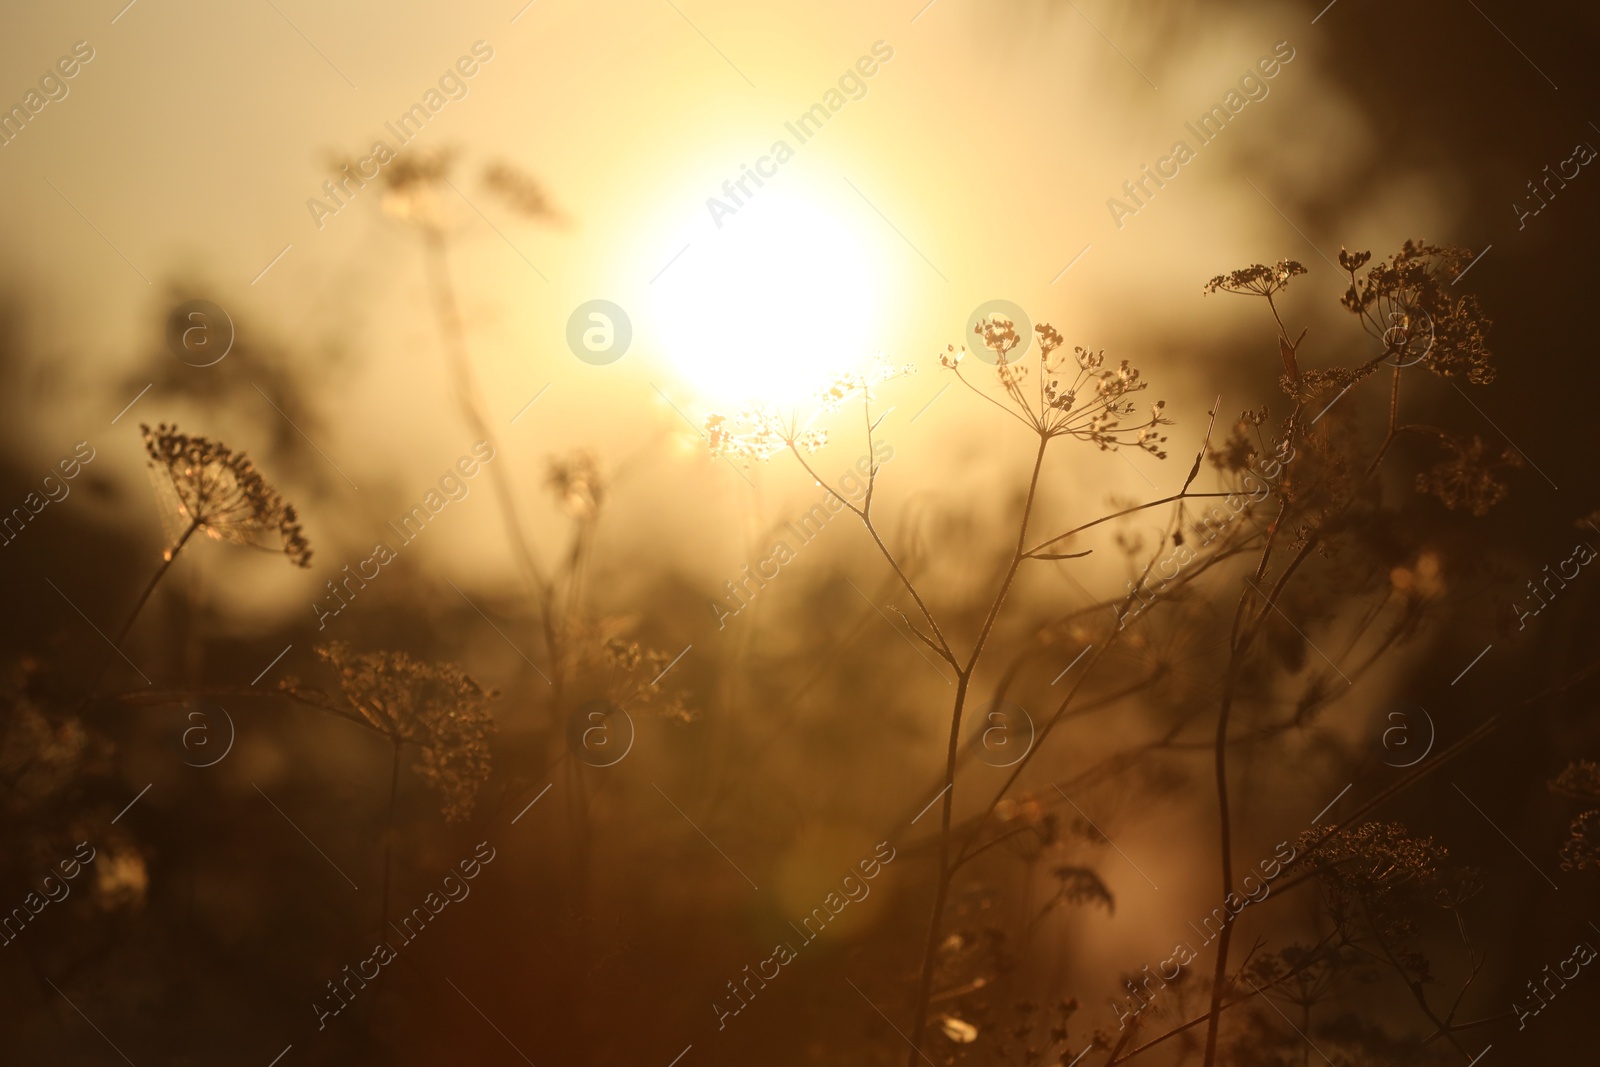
point(974, 164)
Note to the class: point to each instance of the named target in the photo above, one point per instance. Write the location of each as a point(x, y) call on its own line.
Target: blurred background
point(767, 753)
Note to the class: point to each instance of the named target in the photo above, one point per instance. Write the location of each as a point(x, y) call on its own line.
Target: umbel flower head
point(411, 187)
point(760, 431)
point(577, 483)
point(1409, 303)
point(1076, 397)
point(437, 707)
point(633, 673)
point(221, 492)
point(1581, 780)
point(1470, 476)
point(417, 189)
point(1258, 279)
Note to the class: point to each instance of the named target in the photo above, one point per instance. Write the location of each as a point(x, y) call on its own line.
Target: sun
point(771, 305)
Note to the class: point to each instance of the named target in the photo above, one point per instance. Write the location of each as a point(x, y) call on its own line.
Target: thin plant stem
point(963, 683)
point(468, 398)
point(144, 597)
point(388, 832)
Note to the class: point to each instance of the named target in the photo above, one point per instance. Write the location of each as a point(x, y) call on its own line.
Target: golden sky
point(976, 164)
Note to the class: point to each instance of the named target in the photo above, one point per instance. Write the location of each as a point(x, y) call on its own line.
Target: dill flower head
point(577, 483)
point(633, 676)
point(411, 187)
point(520, 192)
point(437, 707)
point(1076, 397)
point(221, 492)
point(999, 336)
point(760, 431)
point(1469, 478)
point(1258, 279)
point(1581, 781)
point(1409, 302)
point(1373, 875)
point(764, 434)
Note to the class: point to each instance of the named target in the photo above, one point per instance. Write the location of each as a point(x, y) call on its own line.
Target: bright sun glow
point(771, 305)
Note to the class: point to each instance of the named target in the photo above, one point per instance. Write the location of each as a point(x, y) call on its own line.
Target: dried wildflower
point(1582, 847)
point(1373, 875)
point(999, 335)
point(1049, 338)
point(1352, 261)
point(633, 676)
point(1409, 304)
point(850, 385)
point(1076, 397)
point(1081, 885)
point(577, 483)
point(1469, 477)
point(1256, 279)
point(1238, 453)
point(519, 190)
point(1581, 780)
point(767, 432)
point(438, 708)
point(411, 190)
point(767, 435)
point(220, 491)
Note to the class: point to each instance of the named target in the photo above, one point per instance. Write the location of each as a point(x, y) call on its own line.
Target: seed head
point(221, 492)
point(437, 707)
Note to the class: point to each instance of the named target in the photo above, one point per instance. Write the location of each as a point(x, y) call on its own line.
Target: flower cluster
point(1581, 781)
point(1372, 877)
point(577, 483)
point(768, 432)
point(633, 676)
point(1469, 477)
point(221, 492)
point(1077, 396)
point(438, 708)
point(1257, 279)
point(520, 191)
point(1408, 303)
point(411, 187)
